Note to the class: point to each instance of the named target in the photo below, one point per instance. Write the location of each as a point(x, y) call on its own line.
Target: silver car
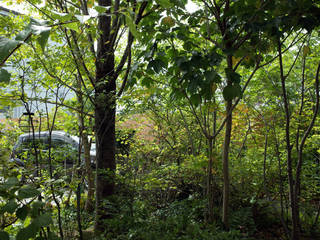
point(35, 147)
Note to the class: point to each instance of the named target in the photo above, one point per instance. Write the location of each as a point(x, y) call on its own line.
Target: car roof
point(54, 134)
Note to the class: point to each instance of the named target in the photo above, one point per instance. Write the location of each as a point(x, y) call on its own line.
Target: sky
point(16, 7)
point(191, 7)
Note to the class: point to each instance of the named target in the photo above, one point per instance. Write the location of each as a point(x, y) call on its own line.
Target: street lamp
point(26, 122)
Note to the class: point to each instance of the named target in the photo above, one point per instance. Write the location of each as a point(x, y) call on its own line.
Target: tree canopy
point(214, 111)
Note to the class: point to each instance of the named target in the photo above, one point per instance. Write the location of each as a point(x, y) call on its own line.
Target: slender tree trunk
point(226, 146)
point(265, 162)
point(295, 234)
point(105, 88)
point(226, 181)
point(209, 182)
point(281, 187)
point(188, 132)
point(301, 146)
point(89, 206)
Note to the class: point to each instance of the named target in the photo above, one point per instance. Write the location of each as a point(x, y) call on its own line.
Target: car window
point(29, 143)
point(61, 143)
point(58, 143)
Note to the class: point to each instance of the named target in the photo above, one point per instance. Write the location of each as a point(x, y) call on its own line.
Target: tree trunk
point(226, 146)
point(295, 234)
point(226, 182)
point(210, 181)
point(105, 90)
point(89, 206)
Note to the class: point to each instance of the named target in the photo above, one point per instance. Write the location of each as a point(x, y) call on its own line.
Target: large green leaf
point(101, 9)
point(132, 26)
point(12, 181)
point(28, 192)
point(233, 76)
point(73, 26)
point(36, 207)
point(157, 65)
point(22, 212)
point(43, 220)
point(63, 17)
point(10, 207)
point(146, 81)
point(4, 76)
point(212, 76)
point(195, 99)
point(231, 91)
point(4, 235)
point(43, 32)
point(6, 47)
point(24, 34)
point(28, 232)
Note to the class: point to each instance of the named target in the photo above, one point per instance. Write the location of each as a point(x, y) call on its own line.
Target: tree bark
point(226, 181)
point(295, 234)
point(210, 181)
point(226, 146)
point(89, 206)
point(105, 106)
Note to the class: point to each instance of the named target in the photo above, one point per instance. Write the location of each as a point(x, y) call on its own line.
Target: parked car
point(64, 150)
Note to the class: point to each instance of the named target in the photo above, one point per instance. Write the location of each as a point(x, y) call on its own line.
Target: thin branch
point(124, 82)
point(237, 101)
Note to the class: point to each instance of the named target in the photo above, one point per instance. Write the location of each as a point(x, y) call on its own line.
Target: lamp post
point(27, 121)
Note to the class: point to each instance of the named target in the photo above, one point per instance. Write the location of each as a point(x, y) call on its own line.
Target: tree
point(113, 19)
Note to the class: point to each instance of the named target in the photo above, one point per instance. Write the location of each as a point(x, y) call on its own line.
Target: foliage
point(175, 77)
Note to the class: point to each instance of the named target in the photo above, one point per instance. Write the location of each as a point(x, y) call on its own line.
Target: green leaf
point(101, 9)
point(132, 26)
point(233, 76)
point(6, 47)
point(43, 32)
point(157, 65)
point(28, 232)
point(231, 91)
point(22, 212)
point(212, 76)
point(4, 235)
point(24, 34)
point(238, 90)
point(43, 220)
point(4, 76)
point(12, 181)
point(73, 26)
point(195, 99)
point(63, 17)
point(146, 82)
point(164, 3)
point(36, 206)
point(28, 192)
point(214, 58)
point(10, 207)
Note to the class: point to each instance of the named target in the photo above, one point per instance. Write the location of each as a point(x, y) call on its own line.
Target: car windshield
point(38, 142)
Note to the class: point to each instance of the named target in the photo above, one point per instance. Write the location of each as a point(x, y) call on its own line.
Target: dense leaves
point(179, 79)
